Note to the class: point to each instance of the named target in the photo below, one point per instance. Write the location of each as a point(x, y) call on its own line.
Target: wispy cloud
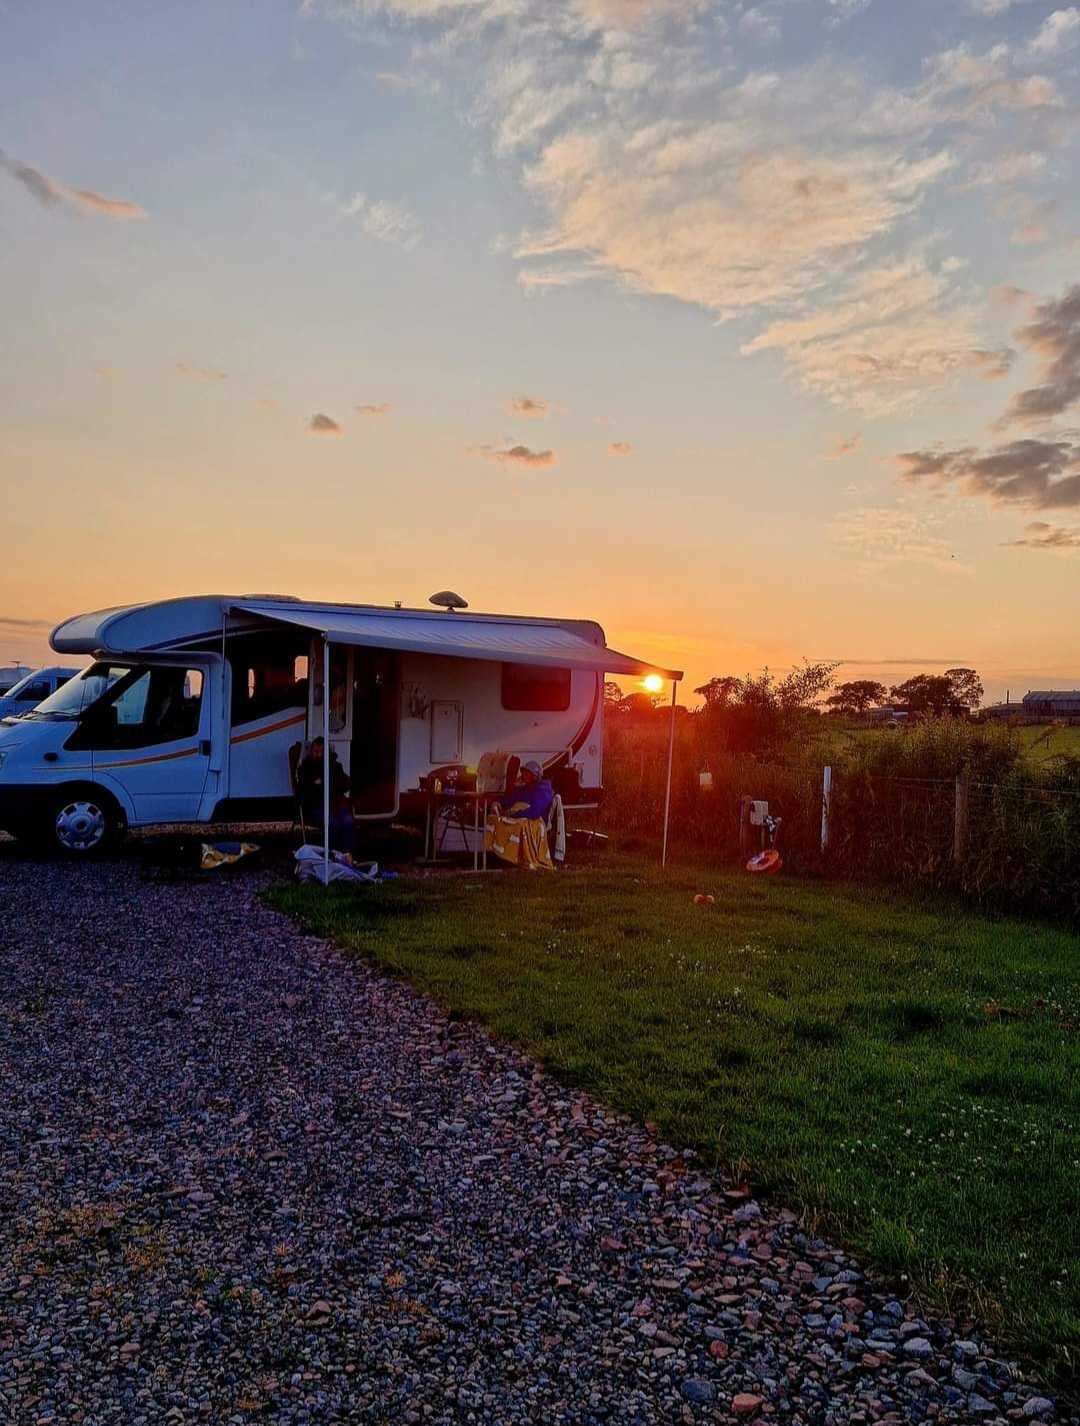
point(200, 373)
point(904, 663)
point(991, 8)
point(518, 455)
point(631, 14)
point(1032, 220)
point(534, 406)
point(323, 425)
point(891, 334)
point(1053, 336)
point(1042, 475)
point(534, 280)
point(413, 82)
point(845, 446)
point(770, 194)
point(383, 408)
point(760, 24)
point(80, 200)
point(9, 621)
point(619, 448)
point(384, 220)
point(1039, 472)
point(1058, 31)
point(1007, 168)
point(1039, 535)
point(887, 536)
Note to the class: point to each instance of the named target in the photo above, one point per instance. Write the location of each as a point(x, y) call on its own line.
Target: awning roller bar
point(458, 636)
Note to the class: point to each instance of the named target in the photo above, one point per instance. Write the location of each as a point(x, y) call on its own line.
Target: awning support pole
point(326, 760)
point(670, 755)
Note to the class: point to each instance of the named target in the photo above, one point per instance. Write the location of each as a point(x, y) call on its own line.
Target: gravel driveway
point(243, 1179)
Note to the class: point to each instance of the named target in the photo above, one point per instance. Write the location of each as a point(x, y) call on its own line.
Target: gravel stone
point(698, 1391)
point(918, 1347)
point(246, 1178)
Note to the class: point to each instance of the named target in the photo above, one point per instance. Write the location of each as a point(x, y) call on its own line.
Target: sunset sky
point(747, 329)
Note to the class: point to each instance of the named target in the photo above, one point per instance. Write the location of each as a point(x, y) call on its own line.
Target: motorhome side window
point(145, 706)
point(531, 688)
point(269, 675)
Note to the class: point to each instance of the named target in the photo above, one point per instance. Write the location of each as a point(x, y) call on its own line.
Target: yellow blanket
point(520, 841)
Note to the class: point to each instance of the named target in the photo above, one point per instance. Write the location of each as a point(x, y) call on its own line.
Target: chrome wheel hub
point(80, 826)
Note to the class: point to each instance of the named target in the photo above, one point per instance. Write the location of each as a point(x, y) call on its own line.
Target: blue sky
point(775, 279)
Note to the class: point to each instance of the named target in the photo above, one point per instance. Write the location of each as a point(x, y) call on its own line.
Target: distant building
point(1038, 706)
point(1042, 703)
point(887, 715)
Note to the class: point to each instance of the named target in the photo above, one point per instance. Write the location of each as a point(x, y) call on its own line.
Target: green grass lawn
point(910, 1071)
point(1045, 743)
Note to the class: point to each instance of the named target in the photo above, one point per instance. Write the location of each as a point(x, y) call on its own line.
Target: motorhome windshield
point(72, 699)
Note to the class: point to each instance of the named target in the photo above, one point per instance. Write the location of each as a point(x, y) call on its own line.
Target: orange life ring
point(768, 862)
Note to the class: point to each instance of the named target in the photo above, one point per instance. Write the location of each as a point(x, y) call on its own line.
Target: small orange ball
point(704, 899)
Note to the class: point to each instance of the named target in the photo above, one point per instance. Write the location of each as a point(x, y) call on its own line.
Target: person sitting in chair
point(309, 787)
point(531, 796)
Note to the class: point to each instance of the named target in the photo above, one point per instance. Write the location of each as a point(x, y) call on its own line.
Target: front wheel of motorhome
point(80, 823)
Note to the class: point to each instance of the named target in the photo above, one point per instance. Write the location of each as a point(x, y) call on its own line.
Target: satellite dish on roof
point(448, 600)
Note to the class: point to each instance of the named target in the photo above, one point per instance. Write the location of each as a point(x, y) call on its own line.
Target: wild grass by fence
point(893, 808)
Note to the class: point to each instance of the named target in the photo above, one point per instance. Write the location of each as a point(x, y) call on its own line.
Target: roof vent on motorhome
point(448, 600)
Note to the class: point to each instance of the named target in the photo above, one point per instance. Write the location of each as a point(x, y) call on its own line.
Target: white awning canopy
point(461, 636)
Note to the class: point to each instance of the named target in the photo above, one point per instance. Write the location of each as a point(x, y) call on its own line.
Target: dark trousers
point(342, 828)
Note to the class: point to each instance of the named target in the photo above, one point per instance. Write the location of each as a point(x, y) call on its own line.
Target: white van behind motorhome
point(191, 706)
point(12, 674)
point(33, 689)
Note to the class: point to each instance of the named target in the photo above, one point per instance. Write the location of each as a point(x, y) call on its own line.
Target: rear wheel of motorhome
point(81, 822)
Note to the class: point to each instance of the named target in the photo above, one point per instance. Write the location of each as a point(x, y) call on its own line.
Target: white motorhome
point(191, 706)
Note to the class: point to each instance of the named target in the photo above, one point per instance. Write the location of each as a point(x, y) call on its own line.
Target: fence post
point(960, 819)
point(744, 825)
point(826, 800)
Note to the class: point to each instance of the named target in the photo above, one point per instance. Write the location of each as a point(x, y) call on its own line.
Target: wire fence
point(1010, 844)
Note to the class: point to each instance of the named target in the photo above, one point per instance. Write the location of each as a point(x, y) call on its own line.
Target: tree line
point(954, 693)
point(759, 712)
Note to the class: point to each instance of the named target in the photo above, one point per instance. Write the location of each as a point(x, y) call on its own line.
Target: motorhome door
point(373, 759)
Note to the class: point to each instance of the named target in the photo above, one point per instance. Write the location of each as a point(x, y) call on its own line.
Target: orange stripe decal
point(141, 762)
point(270, 728)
